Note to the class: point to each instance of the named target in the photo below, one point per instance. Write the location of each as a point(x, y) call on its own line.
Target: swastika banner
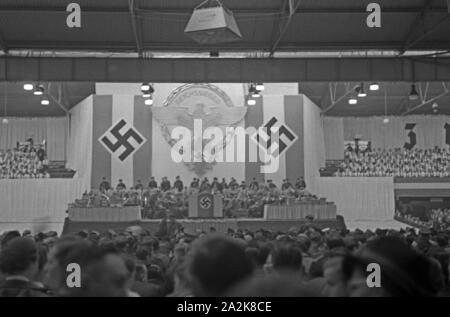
point(122, 134)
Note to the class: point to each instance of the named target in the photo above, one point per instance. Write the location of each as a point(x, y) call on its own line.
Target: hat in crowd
point(83, 233)
point(51, 234)
point(26, 232)
point(17, 255)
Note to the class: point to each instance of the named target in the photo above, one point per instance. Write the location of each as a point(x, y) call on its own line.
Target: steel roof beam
point(224, 69)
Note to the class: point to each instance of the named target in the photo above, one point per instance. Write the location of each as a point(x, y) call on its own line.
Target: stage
point(194, 225)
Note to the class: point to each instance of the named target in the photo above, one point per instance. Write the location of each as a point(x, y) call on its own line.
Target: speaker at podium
point(205, 205)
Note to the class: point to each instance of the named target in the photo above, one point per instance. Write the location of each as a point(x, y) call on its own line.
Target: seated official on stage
point(240, 199)
point(396, 162)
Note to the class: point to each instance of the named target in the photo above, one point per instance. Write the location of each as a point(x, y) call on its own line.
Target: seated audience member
point(23, 162)
point(19, 262)
point(397, 162)
point(211, 253)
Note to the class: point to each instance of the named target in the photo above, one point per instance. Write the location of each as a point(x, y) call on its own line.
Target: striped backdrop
point(110, 109)
point(107, 111)
point(288, 110)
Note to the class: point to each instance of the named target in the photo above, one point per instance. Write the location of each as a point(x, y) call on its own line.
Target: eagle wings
point(211, 116)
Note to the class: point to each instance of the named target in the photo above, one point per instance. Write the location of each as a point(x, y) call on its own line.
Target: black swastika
point(282, 130)
point(122, 140)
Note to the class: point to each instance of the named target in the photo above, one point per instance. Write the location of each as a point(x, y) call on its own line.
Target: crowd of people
point(159, 200)
point(303, 261)
point(438, 219)
point(27, 160)
point(398, 162)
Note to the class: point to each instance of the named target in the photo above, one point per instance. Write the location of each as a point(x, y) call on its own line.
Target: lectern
point(205, 205)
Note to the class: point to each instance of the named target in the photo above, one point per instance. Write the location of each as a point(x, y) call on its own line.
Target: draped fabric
point(333, 129)
point(313, 140)
point(360, 198)
point(429, 130)
point(52, 130)
point(80, 140)
point(37, 200)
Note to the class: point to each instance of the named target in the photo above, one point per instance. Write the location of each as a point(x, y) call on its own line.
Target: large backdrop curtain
point(360, 198)
point(313, 141)
point(52, 130)
point(333, 130)
point(80, 140)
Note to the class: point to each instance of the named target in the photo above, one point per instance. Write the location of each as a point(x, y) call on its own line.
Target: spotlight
point(148, 102)
point(260, 86)
point(39, 90)
point(5, 121)
point(361, 92)
point(374, 86)
point(28, 86)
point(386, 120)
point(146, 95)
point(353, 101)
point(435, 105)
point(251, 102)
point(45, 101)
point(145, 87)
point(413, 94)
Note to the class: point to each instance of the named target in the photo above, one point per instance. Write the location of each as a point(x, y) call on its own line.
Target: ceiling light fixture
point(361, 92)
point(145, 87)
point(374, 86)
point(353, 101)
point(413, 95)
point(28, 86)
point(45, 101)
point(39, 90)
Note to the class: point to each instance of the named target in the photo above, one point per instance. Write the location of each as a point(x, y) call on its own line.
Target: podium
point(205, 205)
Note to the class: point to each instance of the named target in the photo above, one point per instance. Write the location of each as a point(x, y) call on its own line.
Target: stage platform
point(193, 225)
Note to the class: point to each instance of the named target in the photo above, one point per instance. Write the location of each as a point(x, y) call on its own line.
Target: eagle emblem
point(198, 101)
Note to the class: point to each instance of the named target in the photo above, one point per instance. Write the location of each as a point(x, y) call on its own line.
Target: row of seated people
point(437, 218)
point(172, 262)
point(27, 160)
point(204, 185)
point(433, 162)
point(237, 198)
